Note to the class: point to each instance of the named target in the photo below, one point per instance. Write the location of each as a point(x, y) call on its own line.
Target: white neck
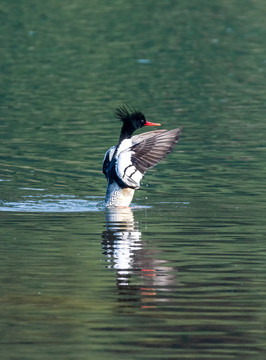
point(117, 196)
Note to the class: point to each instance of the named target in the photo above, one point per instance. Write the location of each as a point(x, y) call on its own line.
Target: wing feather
point(151, 150)
point(147, 150)
point(141, 137)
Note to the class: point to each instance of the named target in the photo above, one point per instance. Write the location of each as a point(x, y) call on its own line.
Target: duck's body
point(125, 164)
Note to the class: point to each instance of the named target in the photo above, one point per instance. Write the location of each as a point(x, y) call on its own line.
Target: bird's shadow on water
point(140, 273)
point(141, 276)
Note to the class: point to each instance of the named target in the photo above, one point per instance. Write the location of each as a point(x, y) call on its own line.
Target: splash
point(53, 203)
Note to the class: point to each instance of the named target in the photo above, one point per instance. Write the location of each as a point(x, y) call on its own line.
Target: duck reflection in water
point(141, 277)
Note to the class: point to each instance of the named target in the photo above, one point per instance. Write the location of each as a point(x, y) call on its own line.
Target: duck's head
point(132, 120)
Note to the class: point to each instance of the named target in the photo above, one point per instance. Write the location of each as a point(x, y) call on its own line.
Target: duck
point(125, 164)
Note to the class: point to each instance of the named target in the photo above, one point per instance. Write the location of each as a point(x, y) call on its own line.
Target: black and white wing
point(107, 159)
point(147, 150)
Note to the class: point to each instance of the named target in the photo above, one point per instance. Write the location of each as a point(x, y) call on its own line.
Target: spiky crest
point(124, 112)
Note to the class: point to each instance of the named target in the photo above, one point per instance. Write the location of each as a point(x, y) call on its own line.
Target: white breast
point(117, 196)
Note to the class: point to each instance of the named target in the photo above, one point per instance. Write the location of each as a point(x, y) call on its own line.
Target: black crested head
point(129, 115)
point(132, 120)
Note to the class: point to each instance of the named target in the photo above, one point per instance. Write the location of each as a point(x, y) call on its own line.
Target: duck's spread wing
point(152, 150)
point(148, 150)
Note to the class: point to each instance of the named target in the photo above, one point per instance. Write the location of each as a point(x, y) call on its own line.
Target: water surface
point(179, 275)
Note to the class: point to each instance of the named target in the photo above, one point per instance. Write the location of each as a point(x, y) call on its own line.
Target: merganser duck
point(125, 164)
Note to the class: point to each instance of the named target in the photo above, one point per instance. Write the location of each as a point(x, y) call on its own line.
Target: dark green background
point(65, 66)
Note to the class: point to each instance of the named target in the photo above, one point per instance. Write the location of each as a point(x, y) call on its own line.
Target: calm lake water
point(182, 273)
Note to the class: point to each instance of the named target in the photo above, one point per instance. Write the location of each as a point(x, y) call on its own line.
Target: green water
point(182, 274)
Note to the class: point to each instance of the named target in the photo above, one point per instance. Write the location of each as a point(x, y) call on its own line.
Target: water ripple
point(53, 203)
